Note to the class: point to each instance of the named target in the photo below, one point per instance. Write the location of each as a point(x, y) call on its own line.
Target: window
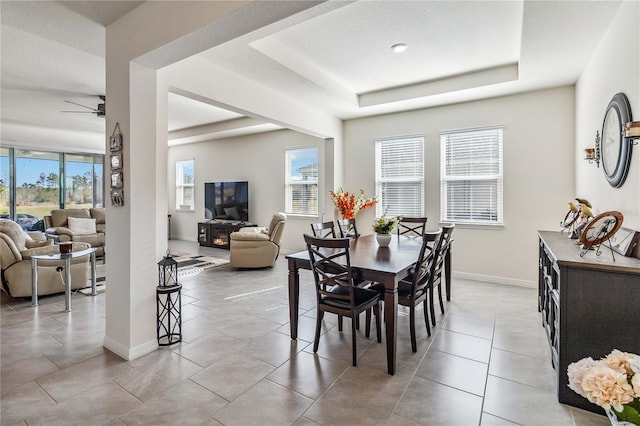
point(32, 183)
point(301, 181)
point(400, 176)
point(471, 176)
point(185, 177)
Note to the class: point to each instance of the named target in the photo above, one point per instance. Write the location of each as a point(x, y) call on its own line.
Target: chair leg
point(426, 317)
point(357, 319)
point(432, 307)
point(316, 340)
point(412, 328)
point(367, 327)
point(353, 342)
point(340, 323)
point(440, 299)
point(378, 314)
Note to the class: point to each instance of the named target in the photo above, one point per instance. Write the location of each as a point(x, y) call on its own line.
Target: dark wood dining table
point(387, 265)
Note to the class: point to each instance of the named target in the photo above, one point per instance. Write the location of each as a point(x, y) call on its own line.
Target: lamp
point(167, 271)
point(593, 154)
point(632, 132)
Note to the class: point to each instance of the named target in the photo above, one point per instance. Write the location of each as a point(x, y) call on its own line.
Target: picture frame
point(115, 142)
point(625, 240)
point(116, 160)
point(117, 198)
point(116, 180)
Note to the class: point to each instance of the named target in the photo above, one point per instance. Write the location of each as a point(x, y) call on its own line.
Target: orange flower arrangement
point(349, 204)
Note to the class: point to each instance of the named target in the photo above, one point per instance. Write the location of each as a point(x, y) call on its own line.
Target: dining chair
point(347, 228)
point(336, 291)
point(323, 229)
point(412, 226)
point(413, 289)
point(445, 247)
point(327, 230)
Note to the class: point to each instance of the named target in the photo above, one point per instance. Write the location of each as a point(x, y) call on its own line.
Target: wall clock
point(615, 150)
point(600, 230)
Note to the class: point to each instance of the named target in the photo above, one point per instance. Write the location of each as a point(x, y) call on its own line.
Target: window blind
point(472, 176)
point(400, 176)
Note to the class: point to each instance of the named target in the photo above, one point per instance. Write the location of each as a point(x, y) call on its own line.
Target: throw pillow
point(80, 226)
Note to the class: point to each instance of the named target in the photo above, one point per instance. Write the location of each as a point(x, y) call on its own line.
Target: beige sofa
point(59, 228)
point(16, 249)
point(255, 247)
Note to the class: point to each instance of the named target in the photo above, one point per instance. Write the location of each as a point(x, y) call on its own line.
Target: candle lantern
point(167, 271)
point(168, 302)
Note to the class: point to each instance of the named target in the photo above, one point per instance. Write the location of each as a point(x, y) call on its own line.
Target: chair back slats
point(347, 228)
point(412, 226)
point(323, 229)
point(447, 239)
point(425, 266)
point(330, 274)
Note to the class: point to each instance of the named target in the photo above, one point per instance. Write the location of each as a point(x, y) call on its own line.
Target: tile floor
point(487, 362)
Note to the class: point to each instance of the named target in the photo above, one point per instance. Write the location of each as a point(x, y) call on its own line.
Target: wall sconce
point(632, 132)
point(593, 154)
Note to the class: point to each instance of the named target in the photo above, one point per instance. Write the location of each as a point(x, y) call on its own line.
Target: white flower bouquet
point(612, 382)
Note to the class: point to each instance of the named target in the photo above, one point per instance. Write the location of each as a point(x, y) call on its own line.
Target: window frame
point(181, 185)
point(497, 177)
point(416, 179)
point(289, 183)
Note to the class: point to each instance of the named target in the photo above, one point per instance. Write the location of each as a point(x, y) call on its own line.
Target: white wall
point(614, 67)
point(258, 159)
point(538, 174)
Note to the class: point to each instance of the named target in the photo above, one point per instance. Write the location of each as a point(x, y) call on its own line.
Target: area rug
point(191, 265)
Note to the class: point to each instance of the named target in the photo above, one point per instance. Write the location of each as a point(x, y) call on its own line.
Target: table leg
point(447, 273)
point(294, 296)
point(391, 326)
point(94, 292)
point(34, 282)
point(67, 284)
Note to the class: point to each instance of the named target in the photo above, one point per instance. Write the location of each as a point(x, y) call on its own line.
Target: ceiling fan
point(99, 111)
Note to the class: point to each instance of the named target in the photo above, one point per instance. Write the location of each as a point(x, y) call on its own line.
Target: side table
point(169, 313)
point(66, 257)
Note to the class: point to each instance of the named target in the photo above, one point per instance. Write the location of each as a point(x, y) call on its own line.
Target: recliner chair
point(256, 247)
point(16, 249)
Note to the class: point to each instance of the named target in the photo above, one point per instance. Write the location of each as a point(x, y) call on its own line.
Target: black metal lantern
point(167, 271)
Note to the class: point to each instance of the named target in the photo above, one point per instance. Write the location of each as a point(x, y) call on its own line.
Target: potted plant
point(383, 227)
point(612, 382)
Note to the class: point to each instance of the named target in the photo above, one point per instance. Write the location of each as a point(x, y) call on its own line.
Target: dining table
point(386, 265)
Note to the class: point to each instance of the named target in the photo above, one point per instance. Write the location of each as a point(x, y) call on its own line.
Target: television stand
point(216, 233)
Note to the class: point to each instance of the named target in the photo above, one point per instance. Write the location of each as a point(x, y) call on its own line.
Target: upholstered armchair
point(16, 249)
point(256, 247)
point(86, 225)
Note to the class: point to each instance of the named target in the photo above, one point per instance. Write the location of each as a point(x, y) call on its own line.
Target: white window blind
point(301, 181)
point(400, 176)
point(185, 178)
point(471, 176)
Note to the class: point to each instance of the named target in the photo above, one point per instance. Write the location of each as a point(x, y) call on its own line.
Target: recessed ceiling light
point(399, 47)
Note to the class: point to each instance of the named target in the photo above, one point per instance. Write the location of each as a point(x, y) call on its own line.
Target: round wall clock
point(615, 151)
point(601, 228)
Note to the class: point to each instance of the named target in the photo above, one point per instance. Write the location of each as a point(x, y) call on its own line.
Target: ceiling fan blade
point(83, 106)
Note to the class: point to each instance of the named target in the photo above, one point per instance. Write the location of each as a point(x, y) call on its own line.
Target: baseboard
point(129, 354)
point(495, 279)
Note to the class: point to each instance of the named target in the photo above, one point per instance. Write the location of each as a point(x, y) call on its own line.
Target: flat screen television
point(226, 201)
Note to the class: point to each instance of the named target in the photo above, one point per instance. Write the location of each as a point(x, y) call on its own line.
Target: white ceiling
point(338, 59)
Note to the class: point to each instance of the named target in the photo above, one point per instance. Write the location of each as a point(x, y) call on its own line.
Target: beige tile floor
point(487, 362)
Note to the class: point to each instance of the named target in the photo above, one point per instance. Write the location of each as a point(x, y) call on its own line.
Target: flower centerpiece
point(348, 204)
point(612, 382)
point(383, 227)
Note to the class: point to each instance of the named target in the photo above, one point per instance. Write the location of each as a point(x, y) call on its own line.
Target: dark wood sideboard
point(589, 306)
